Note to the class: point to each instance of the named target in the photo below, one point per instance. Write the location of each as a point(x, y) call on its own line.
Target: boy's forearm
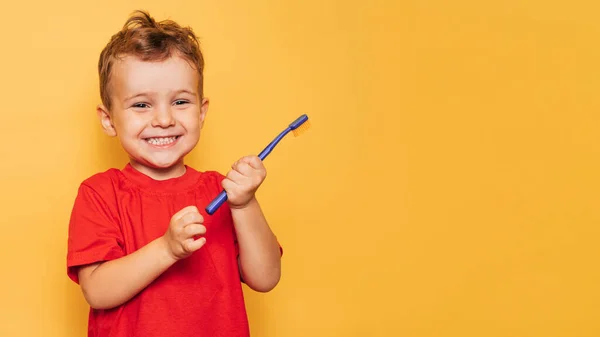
point(260, 256)
point(115, 282)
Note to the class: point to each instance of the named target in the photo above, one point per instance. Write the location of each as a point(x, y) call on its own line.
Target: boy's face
point(156, 112)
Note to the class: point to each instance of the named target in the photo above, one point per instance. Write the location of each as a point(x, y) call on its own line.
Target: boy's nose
point(163, 118)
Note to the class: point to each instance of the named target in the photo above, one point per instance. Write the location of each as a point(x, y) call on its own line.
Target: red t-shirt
point(119, 211)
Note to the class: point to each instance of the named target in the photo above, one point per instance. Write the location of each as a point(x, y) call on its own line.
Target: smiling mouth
point(161, 141)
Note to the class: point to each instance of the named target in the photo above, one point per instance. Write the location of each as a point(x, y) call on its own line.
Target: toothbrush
point(297, 127)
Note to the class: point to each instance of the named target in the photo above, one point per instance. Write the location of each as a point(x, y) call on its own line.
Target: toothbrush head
point(300, 125)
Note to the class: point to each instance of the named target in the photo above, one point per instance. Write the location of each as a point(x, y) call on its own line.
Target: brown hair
point(143, 37)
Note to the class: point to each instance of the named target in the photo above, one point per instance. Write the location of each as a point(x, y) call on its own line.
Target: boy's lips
point(162, 142)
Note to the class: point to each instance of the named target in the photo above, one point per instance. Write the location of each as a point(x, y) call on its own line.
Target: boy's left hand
point(243, 180)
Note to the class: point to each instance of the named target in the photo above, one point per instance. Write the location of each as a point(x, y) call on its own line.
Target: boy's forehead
point(130, 73)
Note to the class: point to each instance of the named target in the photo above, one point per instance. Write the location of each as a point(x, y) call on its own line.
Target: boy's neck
point(174, 171)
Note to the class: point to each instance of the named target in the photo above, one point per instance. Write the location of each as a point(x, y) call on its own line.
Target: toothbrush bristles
point(301, 129)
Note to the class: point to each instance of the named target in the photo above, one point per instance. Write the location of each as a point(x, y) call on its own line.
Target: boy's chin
point(161, 163)
point(165, 165)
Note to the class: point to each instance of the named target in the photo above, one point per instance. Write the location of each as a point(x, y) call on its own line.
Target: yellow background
point(448, 186)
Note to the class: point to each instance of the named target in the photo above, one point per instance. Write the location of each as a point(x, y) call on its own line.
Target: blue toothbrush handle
point(222, 197)
point(216, 203)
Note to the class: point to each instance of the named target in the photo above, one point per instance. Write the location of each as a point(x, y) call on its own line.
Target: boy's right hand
point(184, 226)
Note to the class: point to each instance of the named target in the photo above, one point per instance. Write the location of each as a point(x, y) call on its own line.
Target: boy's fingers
point(191, 245)
point(188, 209)
point(254, 162)
point(195, 229)
point(190, 218)
point(235, 176)
point(229, 186)
point(253, 166)
point(183, 212)
point(245, 169)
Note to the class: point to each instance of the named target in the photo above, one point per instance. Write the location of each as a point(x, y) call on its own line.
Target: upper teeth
point(161, 140)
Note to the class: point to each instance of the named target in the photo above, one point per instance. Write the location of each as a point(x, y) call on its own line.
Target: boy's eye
point(140, 105)
point(180, 102)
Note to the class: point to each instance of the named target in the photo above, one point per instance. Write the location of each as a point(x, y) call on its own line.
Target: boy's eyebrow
point(185, 91)
point(136, 95)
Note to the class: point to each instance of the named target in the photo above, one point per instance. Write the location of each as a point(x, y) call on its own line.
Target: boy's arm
point(260, 254)
point(109, 284)
point(106, 285)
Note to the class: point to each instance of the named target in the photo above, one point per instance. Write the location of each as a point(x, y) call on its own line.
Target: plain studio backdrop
point(449, 185)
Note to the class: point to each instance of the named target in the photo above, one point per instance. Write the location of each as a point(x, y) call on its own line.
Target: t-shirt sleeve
point(94, 232)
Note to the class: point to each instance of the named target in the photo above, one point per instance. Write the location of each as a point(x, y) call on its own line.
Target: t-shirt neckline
point(177, 184)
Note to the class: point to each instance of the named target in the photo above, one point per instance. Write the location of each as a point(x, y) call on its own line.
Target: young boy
point(149, 260)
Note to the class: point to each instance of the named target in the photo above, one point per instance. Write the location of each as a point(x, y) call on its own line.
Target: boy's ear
point(106, 121)
point(203, 110)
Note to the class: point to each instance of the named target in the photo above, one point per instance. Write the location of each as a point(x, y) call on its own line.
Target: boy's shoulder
point(102, 181)
point(102, 177)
